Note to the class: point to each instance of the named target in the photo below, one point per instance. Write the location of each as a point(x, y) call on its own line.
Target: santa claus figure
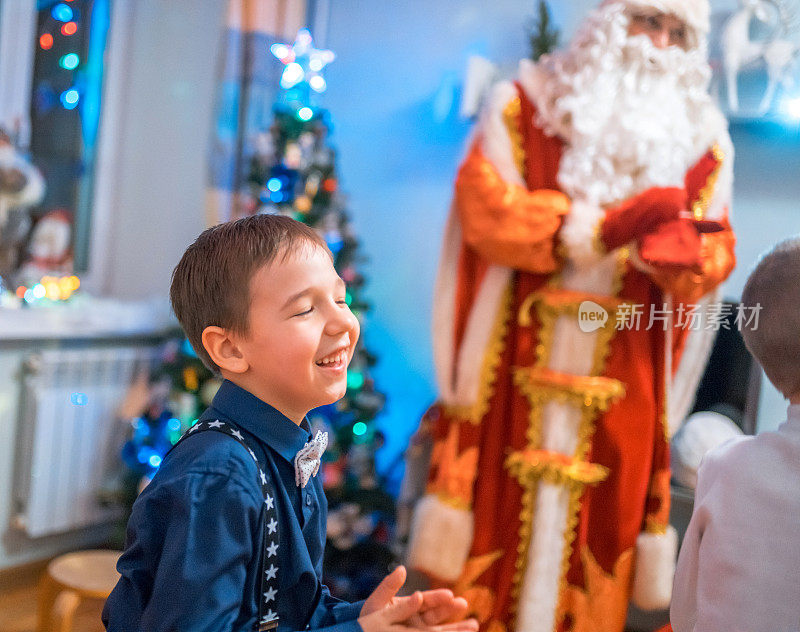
point(590, 217)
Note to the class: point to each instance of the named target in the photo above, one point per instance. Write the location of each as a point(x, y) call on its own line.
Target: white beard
point(632, 116)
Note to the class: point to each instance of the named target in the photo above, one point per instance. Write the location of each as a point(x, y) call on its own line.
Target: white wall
point(164, 137)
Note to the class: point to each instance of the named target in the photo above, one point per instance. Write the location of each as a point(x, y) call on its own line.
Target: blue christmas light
point(69, 61)
point(154, 460)
point(62, 13)
point(305, 114)
point(69, 98)
point(274, 184)
point(79, 399)
point(359, 429)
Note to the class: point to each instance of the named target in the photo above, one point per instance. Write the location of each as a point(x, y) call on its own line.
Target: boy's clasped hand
point(430, 610)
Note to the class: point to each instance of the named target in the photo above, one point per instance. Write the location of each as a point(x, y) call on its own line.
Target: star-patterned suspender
point(267, 617)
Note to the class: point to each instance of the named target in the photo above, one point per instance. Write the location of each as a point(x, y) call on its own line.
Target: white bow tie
point(306, 463)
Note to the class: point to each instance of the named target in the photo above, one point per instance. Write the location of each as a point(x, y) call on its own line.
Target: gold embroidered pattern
point(531, 466)
point(511, 117)
point(700, 206)
point(543, 385)
point(551, 304)
point(525, 531)
point(455, 473)
point(601, 607)
point(592, 395)
point(473, 413)
point(480, 598)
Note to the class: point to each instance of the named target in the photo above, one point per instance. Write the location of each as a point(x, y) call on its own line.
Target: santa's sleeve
point(504, 222)
point(709, 187)
point(501, 219)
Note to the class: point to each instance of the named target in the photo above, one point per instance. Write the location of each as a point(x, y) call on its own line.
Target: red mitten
point(642, 215)
point(673, 245)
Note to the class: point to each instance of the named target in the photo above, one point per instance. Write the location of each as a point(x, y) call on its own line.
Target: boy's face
point(301, 333)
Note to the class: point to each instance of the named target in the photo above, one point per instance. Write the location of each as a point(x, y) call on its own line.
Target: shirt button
point(308, 499)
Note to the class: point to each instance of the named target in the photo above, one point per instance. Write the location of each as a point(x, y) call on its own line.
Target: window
point(65, 105)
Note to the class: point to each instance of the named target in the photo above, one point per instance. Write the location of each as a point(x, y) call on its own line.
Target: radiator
point(69, 439)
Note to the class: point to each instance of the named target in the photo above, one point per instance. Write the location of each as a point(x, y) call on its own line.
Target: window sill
point(86, 317)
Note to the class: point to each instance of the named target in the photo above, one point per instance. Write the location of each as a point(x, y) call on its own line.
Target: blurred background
point(129, 126)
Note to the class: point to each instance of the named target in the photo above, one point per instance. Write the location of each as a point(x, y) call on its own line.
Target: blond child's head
point(262, 304)
point(773, 290)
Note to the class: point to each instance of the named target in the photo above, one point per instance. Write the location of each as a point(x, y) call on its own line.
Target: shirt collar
point(261, 420)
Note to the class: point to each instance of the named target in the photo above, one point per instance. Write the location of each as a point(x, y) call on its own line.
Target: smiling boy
point(230, 533)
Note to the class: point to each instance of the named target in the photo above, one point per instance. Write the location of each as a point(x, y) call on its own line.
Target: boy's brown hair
point(211, 283)
point(774, 290)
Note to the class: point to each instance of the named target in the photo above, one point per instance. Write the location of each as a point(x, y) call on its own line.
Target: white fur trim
point(477, 333)
point(654, 569)
point(538, 600)
point(495, 139)
point(441, 537)
point(444, 309)
point(579, 231)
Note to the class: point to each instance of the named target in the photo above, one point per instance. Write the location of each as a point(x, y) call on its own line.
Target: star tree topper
point(303, 62)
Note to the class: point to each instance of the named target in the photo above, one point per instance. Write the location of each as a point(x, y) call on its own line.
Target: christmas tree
point(293, 172)
point(542, 36)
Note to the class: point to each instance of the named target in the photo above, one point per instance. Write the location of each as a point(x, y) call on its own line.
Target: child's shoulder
point(210, 453)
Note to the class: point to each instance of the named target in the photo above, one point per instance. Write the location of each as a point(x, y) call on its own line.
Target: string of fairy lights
point(64, 22)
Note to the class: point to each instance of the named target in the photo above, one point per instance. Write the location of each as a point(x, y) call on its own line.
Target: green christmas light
point(69, 61)
point(359, 429)
point(355, 379)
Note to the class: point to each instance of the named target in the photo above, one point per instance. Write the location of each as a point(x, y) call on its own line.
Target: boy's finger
point(453, 610)
point(468, 625)
point(387, 589)
point(403, 608)
point(438, 597)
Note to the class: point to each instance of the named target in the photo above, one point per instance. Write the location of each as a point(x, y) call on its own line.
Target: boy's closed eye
point(310, 309)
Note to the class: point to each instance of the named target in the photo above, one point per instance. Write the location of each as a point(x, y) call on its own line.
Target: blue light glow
point(274, 184)
point(62, 13)
point(69, 98)
point(79, 399)
point(155, 460)
point(174, 424)
point(359, 429)
point(69, 61)
point(305, 114)
point(792, 108)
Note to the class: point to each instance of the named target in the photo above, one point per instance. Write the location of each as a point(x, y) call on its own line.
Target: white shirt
point(739, 565)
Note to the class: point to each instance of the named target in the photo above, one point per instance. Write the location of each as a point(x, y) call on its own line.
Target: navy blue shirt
point(192, 559)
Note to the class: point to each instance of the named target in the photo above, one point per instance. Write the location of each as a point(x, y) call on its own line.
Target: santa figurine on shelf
point(21, 187)
point(49, 247)
point(590, 216)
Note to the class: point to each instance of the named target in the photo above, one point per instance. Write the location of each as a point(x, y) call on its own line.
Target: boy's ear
point(224, 351)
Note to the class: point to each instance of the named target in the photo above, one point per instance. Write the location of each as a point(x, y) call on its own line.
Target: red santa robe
point(549, 484)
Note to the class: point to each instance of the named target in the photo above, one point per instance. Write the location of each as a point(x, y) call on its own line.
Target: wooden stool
point(68, 580)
